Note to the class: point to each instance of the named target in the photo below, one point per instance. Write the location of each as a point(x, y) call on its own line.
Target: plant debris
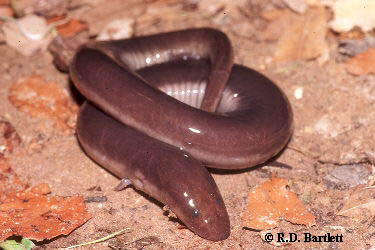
point(32, 212)
point(122, 231)
point(298, 44)
point(71, 28)
point(36, 215)
point(362, 63)
point(271, 202)
point(39, 98)
point(25, 244)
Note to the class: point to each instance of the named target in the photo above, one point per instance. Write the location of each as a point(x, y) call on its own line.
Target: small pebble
point(27, 34)
point(96, 199)
point(352, 47)
point(262, 67)
point(35, 147)
point(298, 93)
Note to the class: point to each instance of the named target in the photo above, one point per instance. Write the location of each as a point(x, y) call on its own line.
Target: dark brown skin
point(160, 144)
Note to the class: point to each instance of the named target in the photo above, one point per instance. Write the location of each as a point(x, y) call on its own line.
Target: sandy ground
point(334, 126)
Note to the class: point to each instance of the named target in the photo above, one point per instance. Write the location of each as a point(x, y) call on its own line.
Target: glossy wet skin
point(143, 134)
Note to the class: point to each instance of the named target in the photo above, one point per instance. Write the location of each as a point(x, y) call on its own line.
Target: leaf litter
point(272, 202)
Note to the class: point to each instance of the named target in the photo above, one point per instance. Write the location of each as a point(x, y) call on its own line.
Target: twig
point(101, 239)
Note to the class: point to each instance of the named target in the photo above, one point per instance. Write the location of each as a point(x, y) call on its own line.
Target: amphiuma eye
point(195, 213)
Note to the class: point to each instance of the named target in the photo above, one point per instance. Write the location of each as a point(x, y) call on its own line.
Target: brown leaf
point(35, 215)
point(362, 63)
point(55, 19)
point(71, 28)
point(271, 202)
point(38, 98)
point(304, 38)
point(280, 19)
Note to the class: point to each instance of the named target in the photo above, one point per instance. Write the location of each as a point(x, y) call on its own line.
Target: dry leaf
point(351, 13)
point(71, 28)
point(38, 98)
point(35, 215)
point(271, 202)
point(55, 19)
point(360, 204)
point(304, 38)
point(280, 20)
point(362, 63)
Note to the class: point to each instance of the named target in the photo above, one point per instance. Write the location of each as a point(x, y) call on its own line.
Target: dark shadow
point(76, 96)
point(271, 162)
